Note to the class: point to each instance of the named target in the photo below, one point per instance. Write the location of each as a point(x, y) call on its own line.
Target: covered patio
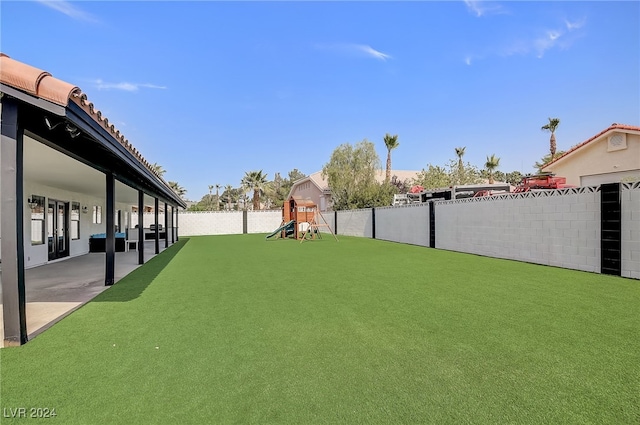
point(73, 195)
point(55, 290)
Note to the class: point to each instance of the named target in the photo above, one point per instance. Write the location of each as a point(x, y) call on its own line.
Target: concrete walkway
point(56, 289)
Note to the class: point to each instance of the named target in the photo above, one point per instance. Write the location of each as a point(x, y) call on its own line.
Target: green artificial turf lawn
point(236, 329)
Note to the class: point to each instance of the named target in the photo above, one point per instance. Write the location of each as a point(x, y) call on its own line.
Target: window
point(75, 220)
point(97, 214)
point(36, 203)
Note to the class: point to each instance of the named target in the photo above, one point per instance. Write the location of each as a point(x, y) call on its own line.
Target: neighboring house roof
point(43, 85)
point(323, 185)
point(613, 127)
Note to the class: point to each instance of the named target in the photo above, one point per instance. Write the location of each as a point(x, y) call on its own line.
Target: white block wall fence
point(563, 228)
point(195, 223)
point(575, 228)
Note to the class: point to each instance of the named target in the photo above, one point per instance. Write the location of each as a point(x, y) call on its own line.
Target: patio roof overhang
point(71, 131)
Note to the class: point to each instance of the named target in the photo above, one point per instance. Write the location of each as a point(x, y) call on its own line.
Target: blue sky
point(211, 89)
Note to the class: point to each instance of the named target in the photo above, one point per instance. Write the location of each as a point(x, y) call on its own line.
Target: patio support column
point(157, 235)
point(177, 233)
point(173, 234)
point(140, 227)
point(166, 225)
point(13, 282)
point(110, 242)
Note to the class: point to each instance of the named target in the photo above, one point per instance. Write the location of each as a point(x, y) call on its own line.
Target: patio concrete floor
point(56, 289)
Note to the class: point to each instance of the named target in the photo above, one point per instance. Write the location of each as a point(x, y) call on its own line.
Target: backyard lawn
point(236, 329)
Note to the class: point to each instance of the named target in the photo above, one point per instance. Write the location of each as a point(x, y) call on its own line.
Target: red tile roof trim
point(614, 126)
point(43, 85)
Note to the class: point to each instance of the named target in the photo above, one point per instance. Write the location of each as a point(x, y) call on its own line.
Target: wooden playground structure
point(301, 219)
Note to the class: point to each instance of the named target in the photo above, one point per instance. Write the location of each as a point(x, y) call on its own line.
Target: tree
point(437, 177)
point(158, 169)
point(539, 165)
point(460, 154)
point(351, 173)
point(256, 181)
point(433, 177)
point(391, 142)
point(229, 196)
point(179, 190)
point(217, 197)
point(492, 163)
point(210, 197)
point(552, 126)
point(513, 178)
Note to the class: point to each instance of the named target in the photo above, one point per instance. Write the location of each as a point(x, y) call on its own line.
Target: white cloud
point(125, 86)
point(482, 8)
point(372, 52)
point(68, 9)
point(574, 25)
point(356, 49)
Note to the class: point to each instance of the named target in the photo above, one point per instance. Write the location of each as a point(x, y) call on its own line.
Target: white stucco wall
point(591, 163)
point(405, 224)
point(35, 255)
point(630, 197)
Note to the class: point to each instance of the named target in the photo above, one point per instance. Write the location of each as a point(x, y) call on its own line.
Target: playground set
point(301, 219)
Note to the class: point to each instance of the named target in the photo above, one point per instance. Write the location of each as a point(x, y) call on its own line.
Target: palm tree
point(157, 168)
point(210, 198)
point(256, 181)
point(460, 154)
point(179, 190)
point(551, 126)
point(492, 163)
point(391, 142)
point(217, 197)
point(228, 189)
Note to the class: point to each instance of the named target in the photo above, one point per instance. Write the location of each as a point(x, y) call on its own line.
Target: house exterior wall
point(601, 161)
point(405, 224)
point(36, 255)
point(307, 189)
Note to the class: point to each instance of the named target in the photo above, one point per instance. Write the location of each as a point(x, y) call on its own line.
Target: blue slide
point(286, 227)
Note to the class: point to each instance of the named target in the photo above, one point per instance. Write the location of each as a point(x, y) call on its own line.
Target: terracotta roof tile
point(34, 81)
point(42, 84)
point(614, 126)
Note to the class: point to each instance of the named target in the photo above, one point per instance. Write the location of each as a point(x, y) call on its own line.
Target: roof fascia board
point(32, 100)
point(76, 115)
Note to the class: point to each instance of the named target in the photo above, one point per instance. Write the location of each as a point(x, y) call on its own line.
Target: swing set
point(301, 219)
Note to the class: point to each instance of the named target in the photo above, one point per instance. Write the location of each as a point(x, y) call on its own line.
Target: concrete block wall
point(261, 221)
point(355, 223)
point(405, 224)
point(195, 223)
point(630, 196)
point(329, 217)
point(561, 230)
